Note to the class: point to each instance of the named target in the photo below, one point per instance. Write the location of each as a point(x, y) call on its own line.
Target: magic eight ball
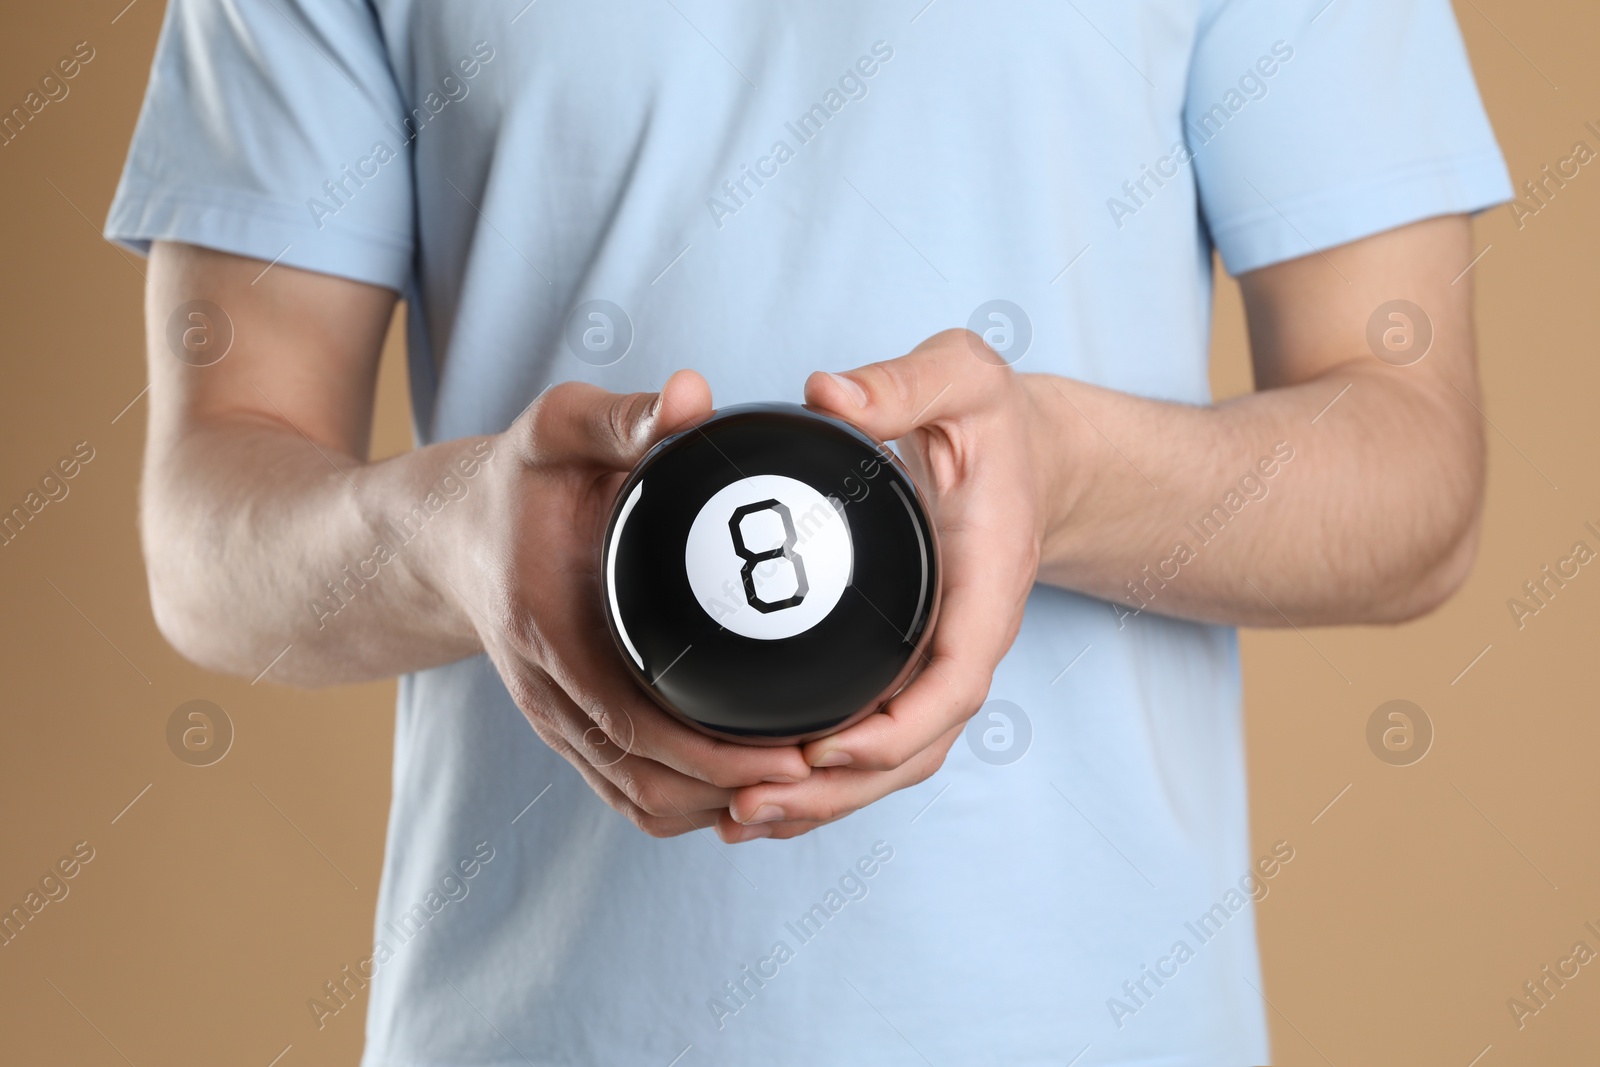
point(771, 575)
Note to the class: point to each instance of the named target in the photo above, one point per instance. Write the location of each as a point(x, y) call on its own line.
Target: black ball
point(771, 575)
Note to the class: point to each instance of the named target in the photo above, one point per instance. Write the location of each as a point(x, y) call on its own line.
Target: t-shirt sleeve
point(272, 129)
point(1315, 124)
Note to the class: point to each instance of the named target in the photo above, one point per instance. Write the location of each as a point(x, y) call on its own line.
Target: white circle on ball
point(768, 557)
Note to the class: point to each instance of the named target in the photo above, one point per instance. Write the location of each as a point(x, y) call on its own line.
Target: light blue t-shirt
point(757, 191)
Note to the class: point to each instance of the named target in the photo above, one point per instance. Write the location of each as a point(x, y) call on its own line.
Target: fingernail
point(837, 758)
point(655, 405)
point(765, 813)
point(754, 833)
point(857, 394)
point(780, 779)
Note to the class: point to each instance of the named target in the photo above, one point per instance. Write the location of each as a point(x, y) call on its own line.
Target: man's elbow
point(187, 591)
point(1435, 584)
point(1445, 509)
point(1448, 527)
point(184, 621)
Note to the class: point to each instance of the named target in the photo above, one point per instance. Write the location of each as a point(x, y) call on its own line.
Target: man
point(577, 199)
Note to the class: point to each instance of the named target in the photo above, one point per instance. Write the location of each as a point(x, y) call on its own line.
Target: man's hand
point(1369, 512)
point(529, 579)
point(966, 425)
point(257, 492)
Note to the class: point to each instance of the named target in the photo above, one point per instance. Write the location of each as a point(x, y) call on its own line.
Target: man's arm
point(256, 488)
point(1369, 513)
point(1375, 516)
point(258, 505)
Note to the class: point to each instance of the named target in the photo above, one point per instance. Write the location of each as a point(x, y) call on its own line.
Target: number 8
point(783, 551)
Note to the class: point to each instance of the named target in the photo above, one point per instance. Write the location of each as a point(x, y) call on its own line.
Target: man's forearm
point(258, 542)
point(1271, 508)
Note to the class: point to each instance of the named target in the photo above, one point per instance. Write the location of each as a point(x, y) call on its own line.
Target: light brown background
point(222, 899)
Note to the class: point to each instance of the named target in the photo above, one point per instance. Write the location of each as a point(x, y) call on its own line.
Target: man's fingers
point(663, 813)
point(653, 787)
point(784, 811)
point(653, 796)
point(674, 822)
point(651, 733)
point(610, 718)
point(982, 608)
point(888, 400)
point(576, 422)
point(590, 673)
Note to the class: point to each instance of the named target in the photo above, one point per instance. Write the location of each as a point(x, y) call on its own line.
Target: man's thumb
point(578, 422)
point(887, 400)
